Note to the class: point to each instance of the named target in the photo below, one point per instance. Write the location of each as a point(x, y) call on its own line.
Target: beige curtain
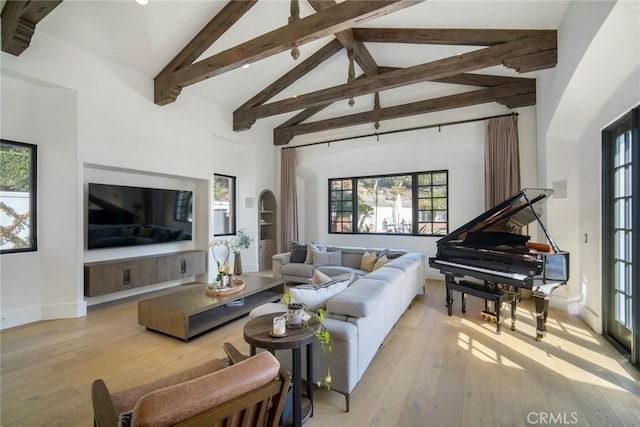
point(502, 160)
point(289, 209)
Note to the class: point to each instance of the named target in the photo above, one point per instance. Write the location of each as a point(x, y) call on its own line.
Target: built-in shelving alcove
point(267, 227)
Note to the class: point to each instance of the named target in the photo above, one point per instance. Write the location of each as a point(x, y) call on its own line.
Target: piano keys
point(491, 249)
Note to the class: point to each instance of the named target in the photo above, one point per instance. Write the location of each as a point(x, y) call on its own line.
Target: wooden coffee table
point(188, 311)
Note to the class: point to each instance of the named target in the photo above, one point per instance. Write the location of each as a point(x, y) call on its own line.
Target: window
point(18, 197)
point(620, 230)
point(411, 203)
point(224, 205)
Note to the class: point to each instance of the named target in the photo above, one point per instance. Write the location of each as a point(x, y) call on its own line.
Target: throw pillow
point(311, 246)
point(319, 278)
point(391, 254)
point(380, 262)
point(327, 258)
point(298, 252)
point(368, 261)
point(315, 297)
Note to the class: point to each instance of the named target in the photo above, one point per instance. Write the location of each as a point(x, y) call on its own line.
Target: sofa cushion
point(333, 257)
point(315, 297)
point(297, 270)
point(392, 276)
point(358, 300)
point(312, 246)
point(406, 261)
point(380, 262)
point(368, 261)
point(167, 406)
point(298, 252)
point(125, 400)
point(319, 278)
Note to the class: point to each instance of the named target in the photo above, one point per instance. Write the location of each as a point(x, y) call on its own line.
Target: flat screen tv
point(119, 215)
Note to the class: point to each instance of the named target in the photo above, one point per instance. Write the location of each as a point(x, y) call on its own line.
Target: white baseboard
point(64, 311)
point(23, 316)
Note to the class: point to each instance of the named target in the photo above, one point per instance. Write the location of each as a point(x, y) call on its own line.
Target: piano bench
point(487, 292)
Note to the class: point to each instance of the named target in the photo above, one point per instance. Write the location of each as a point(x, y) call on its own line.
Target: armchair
point(250, 391)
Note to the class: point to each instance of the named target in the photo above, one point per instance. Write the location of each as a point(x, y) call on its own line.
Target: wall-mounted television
point(119, 215)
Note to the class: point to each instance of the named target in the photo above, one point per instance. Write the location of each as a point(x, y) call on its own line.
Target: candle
point(279, 325)
point(229, 269)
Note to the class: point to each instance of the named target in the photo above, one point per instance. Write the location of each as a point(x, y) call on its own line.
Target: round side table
point(257, 332)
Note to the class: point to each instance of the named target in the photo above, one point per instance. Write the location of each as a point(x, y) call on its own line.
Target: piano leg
point(449, 279)
point(541, 295)
point(464, 302)
point(514, 301)
point(542, 308)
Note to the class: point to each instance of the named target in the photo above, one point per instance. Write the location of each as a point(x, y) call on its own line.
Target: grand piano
point(491, 251)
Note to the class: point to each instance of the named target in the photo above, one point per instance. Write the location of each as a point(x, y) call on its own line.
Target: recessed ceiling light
point(245, 66)
point(142, 2)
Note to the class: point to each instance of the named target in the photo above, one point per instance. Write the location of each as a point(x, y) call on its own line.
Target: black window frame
point(629, 122)
point(33, 197)
point(232, 205)
point(334, 214)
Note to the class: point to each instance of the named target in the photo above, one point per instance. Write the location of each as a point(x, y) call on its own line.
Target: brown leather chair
point(250, 391)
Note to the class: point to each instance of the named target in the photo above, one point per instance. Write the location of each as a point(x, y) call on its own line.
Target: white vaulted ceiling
point(146, 38)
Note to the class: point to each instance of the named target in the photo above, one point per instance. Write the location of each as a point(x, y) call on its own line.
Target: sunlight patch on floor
point(556, 359)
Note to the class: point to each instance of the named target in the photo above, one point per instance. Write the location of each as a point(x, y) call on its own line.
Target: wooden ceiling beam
point(309, 112)
point(482, 80)
point(361, 56)
point(521, 90)
point(447, 67)
point(446, 36)
point(534, 62)
point(326, 22)
point(517, 101)
point(360, 53)
point(216, 27)
point(283, 82)
point(19, 19)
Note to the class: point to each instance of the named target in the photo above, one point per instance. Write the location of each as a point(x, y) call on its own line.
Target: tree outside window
point(409, 204)
point(224, 205)
point(17, 197)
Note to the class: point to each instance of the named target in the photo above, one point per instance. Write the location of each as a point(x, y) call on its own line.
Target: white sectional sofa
point(360, 316)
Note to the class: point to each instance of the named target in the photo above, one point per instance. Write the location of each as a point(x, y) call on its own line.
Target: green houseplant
point(314, 321)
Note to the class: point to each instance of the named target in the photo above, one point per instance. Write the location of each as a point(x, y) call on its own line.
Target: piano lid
point(514, 213)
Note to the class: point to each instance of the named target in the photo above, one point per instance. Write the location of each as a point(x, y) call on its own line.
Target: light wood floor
point(431, 370)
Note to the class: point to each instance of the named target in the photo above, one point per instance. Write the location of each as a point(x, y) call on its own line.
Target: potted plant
point(241, 241)
point(314, 321)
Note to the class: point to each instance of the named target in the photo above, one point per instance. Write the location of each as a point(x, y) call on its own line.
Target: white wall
point(597, 80)
point(46, 283)
point(94, 120)
point(458, 148)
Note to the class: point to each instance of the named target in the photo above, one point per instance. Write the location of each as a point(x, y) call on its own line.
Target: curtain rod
point(376, 134)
